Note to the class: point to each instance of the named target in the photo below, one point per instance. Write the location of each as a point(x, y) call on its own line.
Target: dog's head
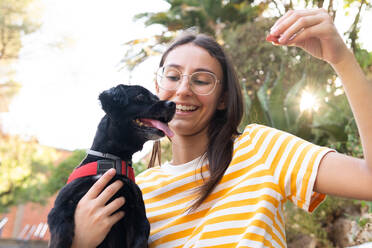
point(136, 114)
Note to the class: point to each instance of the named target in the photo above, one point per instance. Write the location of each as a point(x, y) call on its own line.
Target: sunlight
point(308, 102)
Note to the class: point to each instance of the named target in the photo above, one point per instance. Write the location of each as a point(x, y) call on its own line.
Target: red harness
point(101, 166)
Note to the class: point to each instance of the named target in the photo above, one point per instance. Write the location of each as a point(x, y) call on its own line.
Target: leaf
point(291, 102)
point(257, 113)
point(262, 95)
point(302, 126)
point(336, 131)
point(276, 103)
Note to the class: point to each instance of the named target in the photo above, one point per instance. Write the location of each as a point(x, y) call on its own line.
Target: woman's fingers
point(312, 30)
point(299, 26)
point(101, 183)
point(109, 192)
point(94, 215)
point(289, 18)
point(116, 217)
point(294, 22)
point(113, 206)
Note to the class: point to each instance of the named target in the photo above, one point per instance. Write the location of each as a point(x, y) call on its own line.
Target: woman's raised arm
point(314, 31)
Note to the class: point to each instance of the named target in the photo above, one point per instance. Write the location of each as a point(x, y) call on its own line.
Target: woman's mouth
point(185, 108)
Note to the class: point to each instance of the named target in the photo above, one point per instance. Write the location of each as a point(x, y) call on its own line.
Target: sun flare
point(308, 102)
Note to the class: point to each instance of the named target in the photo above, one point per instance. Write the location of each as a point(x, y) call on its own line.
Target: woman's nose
point(184, 86)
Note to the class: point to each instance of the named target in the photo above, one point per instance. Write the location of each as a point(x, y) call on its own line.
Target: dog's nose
point(169, 104)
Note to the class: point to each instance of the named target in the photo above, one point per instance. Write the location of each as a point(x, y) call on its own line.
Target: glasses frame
point(217, 81)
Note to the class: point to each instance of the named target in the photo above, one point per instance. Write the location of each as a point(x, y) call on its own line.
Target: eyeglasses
point(201, 82)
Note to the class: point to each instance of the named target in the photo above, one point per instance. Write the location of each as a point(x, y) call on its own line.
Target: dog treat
point(272, 38)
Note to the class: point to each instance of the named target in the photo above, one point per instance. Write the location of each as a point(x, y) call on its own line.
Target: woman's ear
point(221, 105)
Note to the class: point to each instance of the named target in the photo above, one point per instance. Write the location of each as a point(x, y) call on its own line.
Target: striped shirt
point(246, 207)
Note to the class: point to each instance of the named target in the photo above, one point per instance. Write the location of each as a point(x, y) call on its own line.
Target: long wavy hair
point(223, 127)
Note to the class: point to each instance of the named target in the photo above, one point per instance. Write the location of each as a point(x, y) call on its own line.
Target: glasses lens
point(203, 82)
point(168, 78)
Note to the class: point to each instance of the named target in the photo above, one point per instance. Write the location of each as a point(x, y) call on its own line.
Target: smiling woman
point(225, 188)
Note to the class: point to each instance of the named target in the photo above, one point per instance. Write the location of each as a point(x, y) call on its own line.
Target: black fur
point(119, 135)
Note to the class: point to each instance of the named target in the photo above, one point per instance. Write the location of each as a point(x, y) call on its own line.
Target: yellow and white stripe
point(246, 207)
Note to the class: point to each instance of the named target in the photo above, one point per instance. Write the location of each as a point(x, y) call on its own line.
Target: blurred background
point(57, 56)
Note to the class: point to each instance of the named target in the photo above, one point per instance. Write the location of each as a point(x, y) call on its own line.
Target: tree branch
point(354, 28)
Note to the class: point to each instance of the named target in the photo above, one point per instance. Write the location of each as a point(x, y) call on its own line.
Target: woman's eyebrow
point(196, 70)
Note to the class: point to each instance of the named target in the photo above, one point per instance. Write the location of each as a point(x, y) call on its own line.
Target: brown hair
point(224, 124)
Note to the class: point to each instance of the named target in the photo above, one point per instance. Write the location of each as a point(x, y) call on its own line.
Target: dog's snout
point(169, 104)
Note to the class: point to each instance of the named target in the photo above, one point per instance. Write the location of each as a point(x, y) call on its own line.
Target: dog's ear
point(114, 100)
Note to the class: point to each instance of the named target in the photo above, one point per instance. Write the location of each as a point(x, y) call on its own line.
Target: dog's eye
point(140, 98)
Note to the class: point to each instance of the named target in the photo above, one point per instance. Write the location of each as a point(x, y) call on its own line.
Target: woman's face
point(193, 112)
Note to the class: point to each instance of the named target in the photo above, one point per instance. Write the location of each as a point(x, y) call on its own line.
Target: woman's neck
point(187, 148)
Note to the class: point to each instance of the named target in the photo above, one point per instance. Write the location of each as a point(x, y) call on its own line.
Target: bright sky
point(58, 101)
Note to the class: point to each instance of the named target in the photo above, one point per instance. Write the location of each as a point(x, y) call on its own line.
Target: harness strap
point(100, 167)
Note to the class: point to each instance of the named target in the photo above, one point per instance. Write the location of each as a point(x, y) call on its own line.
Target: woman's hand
point(312, 30)
point(93, 218)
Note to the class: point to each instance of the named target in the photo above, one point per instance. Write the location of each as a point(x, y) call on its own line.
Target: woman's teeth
point(185, 108)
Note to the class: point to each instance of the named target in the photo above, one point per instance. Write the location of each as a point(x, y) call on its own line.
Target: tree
point(206, 16)
point(24, 167)
point(60, 173)
point(17, 19)
point(23, 163)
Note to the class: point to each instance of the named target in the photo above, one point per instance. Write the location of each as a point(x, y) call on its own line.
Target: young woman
point(224, 189)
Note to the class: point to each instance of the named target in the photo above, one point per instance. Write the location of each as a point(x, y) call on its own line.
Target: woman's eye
point(173, 78)
point(199, 82)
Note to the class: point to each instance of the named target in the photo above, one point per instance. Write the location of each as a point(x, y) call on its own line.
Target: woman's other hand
point(312, 30)
point(93, 218)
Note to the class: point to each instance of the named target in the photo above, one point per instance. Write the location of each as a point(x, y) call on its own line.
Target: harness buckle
point(105, 165)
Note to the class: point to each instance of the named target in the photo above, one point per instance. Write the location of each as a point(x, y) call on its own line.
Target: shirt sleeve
point(295, 164)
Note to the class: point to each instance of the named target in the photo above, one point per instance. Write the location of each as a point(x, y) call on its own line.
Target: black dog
point(133, 116)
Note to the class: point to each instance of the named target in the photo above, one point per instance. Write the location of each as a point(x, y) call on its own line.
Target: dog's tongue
point(159, 125)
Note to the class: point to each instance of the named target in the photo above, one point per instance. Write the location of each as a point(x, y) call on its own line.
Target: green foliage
point(367, 204)
point(166, 150)
point(205, 15)
point(139, 167)
point(319, 223)
point(60, 173)
point(23, 170)
point(16, 20)
point(274, 78)
point(364, 58)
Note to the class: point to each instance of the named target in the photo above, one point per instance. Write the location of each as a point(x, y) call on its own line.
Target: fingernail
point(273, 30)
